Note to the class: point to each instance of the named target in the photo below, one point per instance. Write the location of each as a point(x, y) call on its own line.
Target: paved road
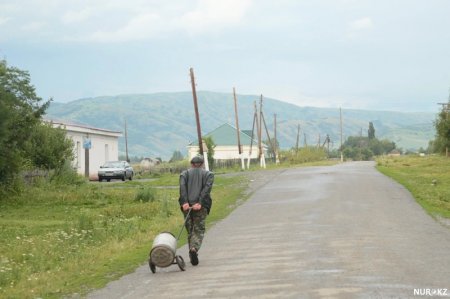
point(344, 231)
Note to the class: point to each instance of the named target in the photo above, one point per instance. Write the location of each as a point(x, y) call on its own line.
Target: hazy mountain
point(160, 123)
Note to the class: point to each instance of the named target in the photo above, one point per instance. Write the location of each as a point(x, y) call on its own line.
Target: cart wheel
point(180, 262)
point(152, 266)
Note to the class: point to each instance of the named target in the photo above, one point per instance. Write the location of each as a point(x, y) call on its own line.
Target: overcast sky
point(380, 54)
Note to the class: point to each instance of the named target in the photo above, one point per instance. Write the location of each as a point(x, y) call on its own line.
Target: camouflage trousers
point(195, 226)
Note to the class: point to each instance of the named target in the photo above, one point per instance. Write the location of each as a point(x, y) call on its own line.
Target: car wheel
point(123, 178)
point(100, 179)
point(108, 180)
point(131, 177)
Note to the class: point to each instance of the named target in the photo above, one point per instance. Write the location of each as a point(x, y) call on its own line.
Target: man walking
point(195, 188)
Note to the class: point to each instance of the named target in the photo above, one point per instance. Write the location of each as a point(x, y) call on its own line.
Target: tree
point(363, 148)
point(48, 147)
point(371, 131)
point(210, 145)
point(442, 125)
point(176, 156)
point(271, 147)
point(21, 110)
point(24, 141)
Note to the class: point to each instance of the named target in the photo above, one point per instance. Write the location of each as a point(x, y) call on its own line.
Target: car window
point(113, 164)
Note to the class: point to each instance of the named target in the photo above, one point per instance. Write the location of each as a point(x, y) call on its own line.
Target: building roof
point(81, 128)
point(226, 135)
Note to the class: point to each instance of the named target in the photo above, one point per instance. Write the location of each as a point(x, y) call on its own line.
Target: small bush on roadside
point(145, 194)
point(66, 175)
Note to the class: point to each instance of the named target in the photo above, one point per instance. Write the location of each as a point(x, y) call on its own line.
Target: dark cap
point(197, 160)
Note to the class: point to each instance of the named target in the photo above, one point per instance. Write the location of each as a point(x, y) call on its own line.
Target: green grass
point(58, 241)
point(427, 178)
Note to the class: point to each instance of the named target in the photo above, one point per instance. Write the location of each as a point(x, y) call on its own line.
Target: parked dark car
point(115, 170)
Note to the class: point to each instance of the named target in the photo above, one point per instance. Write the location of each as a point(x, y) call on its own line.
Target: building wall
point(104, 147)
point(222, 152)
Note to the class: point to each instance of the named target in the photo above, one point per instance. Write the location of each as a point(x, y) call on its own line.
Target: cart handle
point(184, 223)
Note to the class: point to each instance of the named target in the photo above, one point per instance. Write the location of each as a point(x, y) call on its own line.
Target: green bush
point(145, 194)
point(66, 175)
point(304, 155)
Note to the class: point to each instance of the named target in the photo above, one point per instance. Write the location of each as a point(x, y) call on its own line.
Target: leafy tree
point(49, 147)
point(210, 145)
point(21, 110)
point(271, 146)
point(24, 141)
point(371, 131)
point(176, 156)
point(364, 148)
point(442, 125)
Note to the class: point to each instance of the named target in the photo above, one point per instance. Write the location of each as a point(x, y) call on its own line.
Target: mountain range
point(160, 123)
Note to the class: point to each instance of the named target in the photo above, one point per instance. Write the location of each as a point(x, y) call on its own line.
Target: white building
point(101, 145)
point(225, 139)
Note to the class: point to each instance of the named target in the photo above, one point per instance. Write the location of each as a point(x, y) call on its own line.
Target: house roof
point(81, 128)
point(226, 135)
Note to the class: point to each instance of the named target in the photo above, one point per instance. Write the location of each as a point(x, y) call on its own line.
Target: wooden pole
point(298, 136)
point(342, 154)
point(237, 121)
point(126, 142)
point(275, 144)
point(260, 129)
point(255, 120)
point(267, 132)
point(197, 117)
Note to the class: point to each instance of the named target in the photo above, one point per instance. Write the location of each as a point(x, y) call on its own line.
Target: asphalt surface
point(344, 231)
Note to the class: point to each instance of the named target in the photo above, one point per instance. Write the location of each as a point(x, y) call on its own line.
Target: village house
point(225, 139)
point(101, 145)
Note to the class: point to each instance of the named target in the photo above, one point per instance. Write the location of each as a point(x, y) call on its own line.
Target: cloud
point(35, 26)
point(3, 20)
point(359, 27)
point(211, 15)
point(76, 16)
point(361, 24)
point(159, 20)
point(140, 27)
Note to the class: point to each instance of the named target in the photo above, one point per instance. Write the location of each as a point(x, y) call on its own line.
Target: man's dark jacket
point(195, 187)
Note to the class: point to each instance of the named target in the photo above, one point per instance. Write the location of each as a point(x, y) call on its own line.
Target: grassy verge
point(58, 241)
point(427, 178)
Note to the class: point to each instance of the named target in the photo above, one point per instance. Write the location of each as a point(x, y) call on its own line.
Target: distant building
point(103, 146)
point(148, 163)
point(225, 139)
point(394, 153)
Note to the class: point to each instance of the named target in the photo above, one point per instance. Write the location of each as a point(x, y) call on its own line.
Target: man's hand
point(197, 207)
point(185, 207)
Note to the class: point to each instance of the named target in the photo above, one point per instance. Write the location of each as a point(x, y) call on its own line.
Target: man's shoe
point(193, 256)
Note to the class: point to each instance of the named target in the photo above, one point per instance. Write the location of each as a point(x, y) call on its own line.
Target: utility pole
point(446, 108)
point(197, 119)
point(262, 158)
point(126, 142)
point(360, 144)
point(298, 135)
point(328, 145)
point(267, 132)
point(237, 130)
point(255, 121)
point(342, 154)
point(277, 158)
point(306, 145)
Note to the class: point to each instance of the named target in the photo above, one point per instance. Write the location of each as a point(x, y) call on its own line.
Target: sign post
point(87, 146)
